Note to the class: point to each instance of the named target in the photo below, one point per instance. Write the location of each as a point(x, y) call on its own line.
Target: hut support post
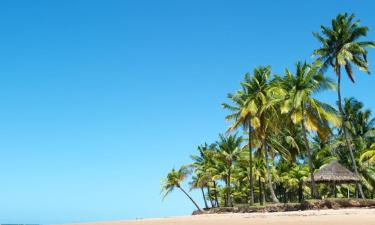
point(348, 191)
point(334, 189)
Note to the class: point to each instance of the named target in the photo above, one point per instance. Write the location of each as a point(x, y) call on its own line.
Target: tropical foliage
point(281, 132)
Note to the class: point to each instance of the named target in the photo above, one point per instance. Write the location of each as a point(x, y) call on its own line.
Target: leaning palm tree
point(173, 180)
point(305, 110)
point(341, 48)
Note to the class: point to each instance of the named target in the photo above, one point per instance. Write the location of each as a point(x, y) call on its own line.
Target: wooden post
point(334, 189)
point(348, 191)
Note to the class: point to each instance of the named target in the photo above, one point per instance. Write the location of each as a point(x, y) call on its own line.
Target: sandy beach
point(326, 217)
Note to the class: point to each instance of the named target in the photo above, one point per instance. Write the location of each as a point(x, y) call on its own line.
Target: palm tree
point(360, 125)
point(295, 177)
point(204, 168)
point(324, 151)
point(240, 178)
point(265, 123)
point(229, 150)
point(199, 182)
point(305, 110)
point(243, 111)
point(173, 180)
point(368, 156)
point(341, 48)
point(259, 171)
point(361, 130)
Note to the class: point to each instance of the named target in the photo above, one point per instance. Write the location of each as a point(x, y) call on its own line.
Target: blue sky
point(100, 99)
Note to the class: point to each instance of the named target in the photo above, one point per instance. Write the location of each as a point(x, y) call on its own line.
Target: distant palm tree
point(199, 182)
point(305, 110)
point(341, 48)
point(229, 150)
point(173, 180)
point(295, 177)
point(204, 168)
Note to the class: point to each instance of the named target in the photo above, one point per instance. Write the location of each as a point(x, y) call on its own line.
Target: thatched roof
point(334, 172)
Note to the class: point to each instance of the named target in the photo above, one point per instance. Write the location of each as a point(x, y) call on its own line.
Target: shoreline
point(363, 216)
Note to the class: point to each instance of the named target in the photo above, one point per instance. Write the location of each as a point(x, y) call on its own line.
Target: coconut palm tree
point(259, 171)
point(240, 176)
point(368, 156)
point(341, 48)
point(242, 113)
point(361, 129)
point(173, 180)
point(204, 168)
point(199, 182)
point(305, 110)
point(295, 177)
point(360, 125)
point(323, 151)
point(229, 150)
point(265, 123)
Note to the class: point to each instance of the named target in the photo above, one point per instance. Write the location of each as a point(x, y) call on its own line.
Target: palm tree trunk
point(263, 192)
point(269, 178)
point(300, 191)
point(285, 195)
point(216, 196)
point(251, 169)
point(204, 198)
point(225, 194)
point(191, 199)
point(210, 197)
point(343, 119)
point(229, 202)
point(261, 195)
point(314, 192)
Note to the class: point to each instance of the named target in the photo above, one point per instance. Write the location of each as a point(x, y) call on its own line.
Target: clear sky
point(100, 99)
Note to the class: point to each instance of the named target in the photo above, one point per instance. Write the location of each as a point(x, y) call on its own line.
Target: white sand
point(324, 217)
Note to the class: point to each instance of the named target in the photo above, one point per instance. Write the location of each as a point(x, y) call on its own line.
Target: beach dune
point(313, 217)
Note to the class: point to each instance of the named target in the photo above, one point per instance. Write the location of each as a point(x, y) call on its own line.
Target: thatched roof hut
point(334, 172)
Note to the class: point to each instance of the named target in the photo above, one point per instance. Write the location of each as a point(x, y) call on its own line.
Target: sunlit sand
point(313, 217)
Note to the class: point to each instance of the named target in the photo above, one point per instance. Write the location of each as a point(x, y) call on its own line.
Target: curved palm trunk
point(343, 117)
point(204, 198)
point(251, 170)
point(191, 199)
point(314, 192)
point(273, 196)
